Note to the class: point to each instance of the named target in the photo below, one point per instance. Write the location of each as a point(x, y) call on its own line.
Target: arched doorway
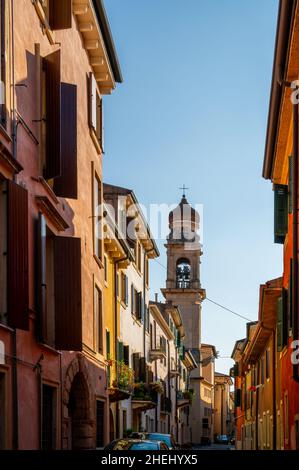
point(80, 426)
point(111, 426)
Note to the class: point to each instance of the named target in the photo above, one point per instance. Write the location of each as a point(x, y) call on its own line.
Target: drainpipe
point(168, 382)
point(295, 295)
point(15, 394)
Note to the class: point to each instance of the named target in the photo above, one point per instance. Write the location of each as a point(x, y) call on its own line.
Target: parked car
point(136, 444)
point(167, 438)
point(222, 439)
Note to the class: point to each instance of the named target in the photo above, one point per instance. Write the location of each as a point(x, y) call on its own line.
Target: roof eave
point(284, 28)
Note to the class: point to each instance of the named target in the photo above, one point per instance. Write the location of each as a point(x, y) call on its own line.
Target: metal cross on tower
point(184, 190)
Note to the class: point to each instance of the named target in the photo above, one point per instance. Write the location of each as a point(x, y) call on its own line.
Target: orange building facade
point(57, 62)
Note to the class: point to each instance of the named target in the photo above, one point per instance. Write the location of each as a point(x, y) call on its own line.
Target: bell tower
point(183, 289)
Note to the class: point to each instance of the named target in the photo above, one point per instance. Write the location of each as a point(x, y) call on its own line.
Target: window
point(280, 212)
point(136, 303)
point(98, 217)
point(124, 289)
point(3, 116)
point(48, 417)
point(3, 253)
point(56, 15)
point(99, 319)
point(50, 290)
point(268, 364)
point(2, 411)
point(96, 113)
point(100, 417)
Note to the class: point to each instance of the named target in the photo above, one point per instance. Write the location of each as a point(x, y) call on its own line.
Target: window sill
point(43, 19)
point(123, 304)
point(6, 327)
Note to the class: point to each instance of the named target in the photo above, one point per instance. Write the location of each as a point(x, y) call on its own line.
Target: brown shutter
point(42, 278)
point(68, 297)
point(92, 101)
point(53, 118)
point(60, 14)
point(17, 275)
point(66, 184)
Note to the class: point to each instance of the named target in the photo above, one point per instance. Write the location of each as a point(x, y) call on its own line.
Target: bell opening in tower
point(183, 274)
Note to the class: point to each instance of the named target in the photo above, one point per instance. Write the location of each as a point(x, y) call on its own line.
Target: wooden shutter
point(92, 101)
point(238, 397)
point(136, 366)
point(53, 116)
point(68, 296)
point(41, 278)
point(290, 199)
point(66, 185)
point(279, 324)
point(132, 299)
point(142, 370)
point(120, 350)
point(280, 212)
point(127, 355)
point(17, 259)
point(60, 14)
point(107, 343)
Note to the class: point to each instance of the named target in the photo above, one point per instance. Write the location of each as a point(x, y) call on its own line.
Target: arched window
point(183, 274)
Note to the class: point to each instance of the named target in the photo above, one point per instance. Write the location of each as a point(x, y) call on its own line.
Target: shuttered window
point(66, 185)
point(280, 212)
point(127, 355)
point(282, 321)
point(99, 318)
point(96, 111)
point(124, 289)
point(290, 196)
point(17, 257)
point(107, 344)
point(52, 115)
point(120, 350)
point(136, 366)
point(60, 14)
point(68, 295)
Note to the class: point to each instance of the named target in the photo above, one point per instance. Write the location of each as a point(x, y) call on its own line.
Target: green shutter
point(280, 212)
point(290, 185)
point(120, 350)
point(107, 343)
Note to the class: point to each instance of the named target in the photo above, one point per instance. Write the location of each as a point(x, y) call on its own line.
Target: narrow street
point(214, 447)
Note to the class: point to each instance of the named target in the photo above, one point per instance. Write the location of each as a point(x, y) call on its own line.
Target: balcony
point(144, 397)
point(121, 387)
point(166, 405)
point(184, 398)
point(156, 354)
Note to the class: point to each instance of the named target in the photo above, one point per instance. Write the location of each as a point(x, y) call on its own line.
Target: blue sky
point(193, 109)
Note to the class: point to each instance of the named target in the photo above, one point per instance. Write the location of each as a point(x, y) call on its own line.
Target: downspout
point(115, 262)
point(15, 366)
point(295, 231)
point(15, 394)
point(168, 382)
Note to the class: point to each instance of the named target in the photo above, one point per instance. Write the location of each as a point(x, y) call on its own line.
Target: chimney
point(156, 297)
